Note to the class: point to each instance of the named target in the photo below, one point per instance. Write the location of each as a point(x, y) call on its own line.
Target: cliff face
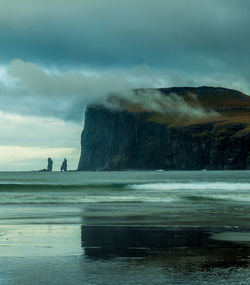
point(120, 139)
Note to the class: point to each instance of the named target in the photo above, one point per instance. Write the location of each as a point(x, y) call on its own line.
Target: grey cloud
point(31, 131)
point(173, 105)
point(38, 80)
point(182, 35)
point(39, 91)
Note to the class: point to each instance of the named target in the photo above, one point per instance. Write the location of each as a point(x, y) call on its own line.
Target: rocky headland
point(171, 129)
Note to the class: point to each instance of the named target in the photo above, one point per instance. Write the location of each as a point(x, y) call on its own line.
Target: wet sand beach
point(125, 228)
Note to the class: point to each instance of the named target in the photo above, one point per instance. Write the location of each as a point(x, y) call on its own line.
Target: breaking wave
point(190, 186)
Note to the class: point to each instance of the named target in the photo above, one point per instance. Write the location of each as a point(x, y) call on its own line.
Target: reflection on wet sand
point(167, 246)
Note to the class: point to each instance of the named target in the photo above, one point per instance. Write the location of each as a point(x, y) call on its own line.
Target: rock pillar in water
point(64, 165)
point(50, 164)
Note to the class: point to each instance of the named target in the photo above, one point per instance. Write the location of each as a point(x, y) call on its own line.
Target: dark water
point(125, 227)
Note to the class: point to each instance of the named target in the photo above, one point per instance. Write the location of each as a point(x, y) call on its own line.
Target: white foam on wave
point(191, 186)
point(236, 197)
point(128, 199)
point(26, 199)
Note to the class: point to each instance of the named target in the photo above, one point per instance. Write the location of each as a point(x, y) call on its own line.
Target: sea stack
point(64, 165)
point(50, 164)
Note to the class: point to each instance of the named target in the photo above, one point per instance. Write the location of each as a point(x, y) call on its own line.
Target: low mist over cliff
point(172, 128)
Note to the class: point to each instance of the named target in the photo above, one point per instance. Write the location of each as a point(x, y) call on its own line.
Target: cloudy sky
point(56, 56)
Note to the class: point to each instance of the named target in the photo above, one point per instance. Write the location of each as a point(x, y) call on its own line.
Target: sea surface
point(131, 227)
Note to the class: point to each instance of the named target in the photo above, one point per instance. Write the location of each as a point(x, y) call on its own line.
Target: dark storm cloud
point(189, 35)
point(47, 45)
point(29, 88)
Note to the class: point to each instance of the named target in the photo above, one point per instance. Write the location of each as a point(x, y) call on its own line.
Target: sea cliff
point(139, 138)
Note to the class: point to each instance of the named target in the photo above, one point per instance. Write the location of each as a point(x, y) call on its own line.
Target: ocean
point(130, 227)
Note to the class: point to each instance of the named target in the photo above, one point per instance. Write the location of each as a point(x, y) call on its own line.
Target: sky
point(57, 56)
